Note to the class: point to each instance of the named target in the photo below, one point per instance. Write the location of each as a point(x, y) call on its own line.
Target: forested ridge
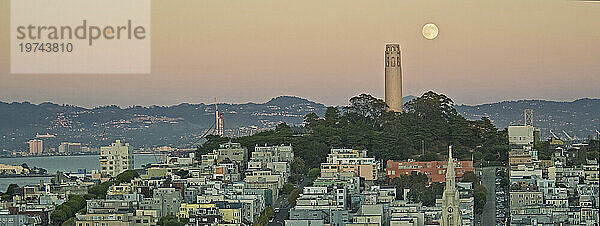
point(422, 131)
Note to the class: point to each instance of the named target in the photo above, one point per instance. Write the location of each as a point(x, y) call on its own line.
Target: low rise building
point(166, 201)
point(349, 162)
point(435, 170)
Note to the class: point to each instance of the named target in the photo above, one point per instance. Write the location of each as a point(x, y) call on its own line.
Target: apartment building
point(115, 159)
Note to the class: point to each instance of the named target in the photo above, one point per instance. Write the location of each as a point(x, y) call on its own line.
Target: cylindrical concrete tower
point(393, 77)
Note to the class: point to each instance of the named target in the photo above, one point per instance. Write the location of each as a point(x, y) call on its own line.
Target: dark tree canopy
point(428, 125)
point(170, 220)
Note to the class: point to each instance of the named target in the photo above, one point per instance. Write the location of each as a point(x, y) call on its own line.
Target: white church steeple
point(450, 199)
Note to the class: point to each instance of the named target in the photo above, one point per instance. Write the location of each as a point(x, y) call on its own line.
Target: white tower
point(450, 199)
point(393, 77)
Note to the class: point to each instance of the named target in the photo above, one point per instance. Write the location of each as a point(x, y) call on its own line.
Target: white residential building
point(115, 159)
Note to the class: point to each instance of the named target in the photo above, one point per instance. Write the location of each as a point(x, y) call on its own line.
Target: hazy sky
point(328, 51)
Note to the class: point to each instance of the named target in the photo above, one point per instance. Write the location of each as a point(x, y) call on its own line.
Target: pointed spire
point(450, 198)
point(450, 175)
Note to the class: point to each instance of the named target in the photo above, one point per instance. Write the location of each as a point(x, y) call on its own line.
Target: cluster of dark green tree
point(99, 191)
point(593, 150)
point(182, 173)
point(64, 214)
point(301, 176)
point(266, 214)
point(171, 220)
point(67, 210)
point(11, 190)
point(308, 179)
point(420, 190)
point(479, 191)
point(423, 131)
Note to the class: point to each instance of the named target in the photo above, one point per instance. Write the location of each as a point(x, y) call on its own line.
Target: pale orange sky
point(329, 51)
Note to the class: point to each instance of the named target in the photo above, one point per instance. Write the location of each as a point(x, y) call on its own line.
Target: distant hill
point(408, 98)
point(178, 125)
point(579, 118)
point(183, 125)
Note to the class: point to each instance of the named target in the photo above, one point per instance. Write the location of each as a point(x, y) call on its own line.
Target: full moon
point(430, 31)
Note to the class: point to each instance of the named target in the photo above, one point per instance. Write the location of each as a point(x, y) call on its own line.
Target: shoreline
point(42, 156)
point(26, 176)
point(71, 164)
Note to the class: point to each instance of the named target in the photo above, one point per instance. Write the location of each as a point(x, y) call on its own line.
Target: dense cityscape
point(260, 185)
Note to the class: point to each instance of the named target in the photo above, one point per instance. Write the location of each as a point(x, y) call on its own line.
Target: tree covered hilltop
point(422, 131)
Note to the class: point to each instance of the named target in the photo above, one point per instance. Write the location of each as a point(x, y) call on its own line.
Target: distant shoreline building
point(47, 135)
point(393, 77)
point(36, 147)
point(68, 147)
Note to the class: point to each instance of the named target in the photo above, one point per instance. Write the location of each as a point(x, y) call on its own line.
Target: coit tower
point(393, 77)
